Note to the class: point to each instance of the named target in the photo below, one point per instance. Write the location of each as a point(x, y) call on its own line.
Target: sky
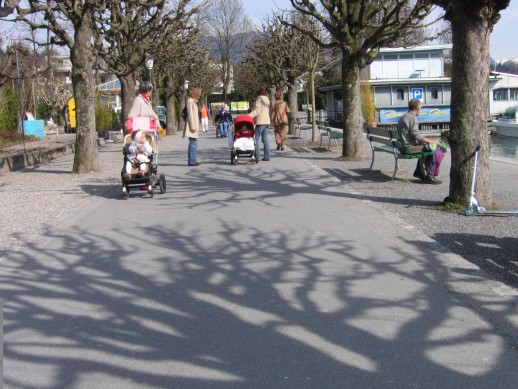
point(502, 40)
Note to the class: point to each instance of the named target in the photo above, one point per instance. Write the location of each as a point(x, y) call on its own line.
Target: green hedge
point(9, 107)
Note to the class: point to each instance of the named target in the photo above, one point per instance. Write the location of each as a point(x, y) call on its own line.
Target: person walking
point(192, 126)
point(204, 117)
point(280, 112)
point(224, 118)
point(261, 113)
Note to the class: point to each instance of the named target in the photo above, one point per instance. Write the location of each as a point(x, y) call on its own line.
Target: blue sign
point(417, 93)
point(427, 114)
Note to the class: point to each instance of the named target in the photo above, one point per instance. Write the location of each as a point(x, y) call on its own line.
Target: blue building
point(399, 74)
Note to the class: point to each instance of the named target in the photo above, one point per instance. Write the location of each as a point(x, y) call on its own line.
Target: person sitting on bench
point(415, 142)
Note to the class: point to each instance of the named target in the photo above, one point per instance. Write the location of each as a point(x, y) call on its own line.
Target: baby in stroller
point(243, 139)
point(138, 154)
point(140, 168)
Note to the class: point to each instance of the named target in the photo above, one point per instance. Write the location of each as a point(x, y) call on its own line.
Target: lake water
point(502, 147)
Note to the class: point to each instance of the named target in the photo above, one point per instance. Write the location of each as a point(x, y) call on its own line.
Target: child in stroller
point(141, 156)
point(138, 155)
point(243, 139)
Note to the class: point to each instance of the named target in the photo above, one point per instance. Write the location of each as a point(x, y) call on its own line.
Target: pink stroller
point(150, 180)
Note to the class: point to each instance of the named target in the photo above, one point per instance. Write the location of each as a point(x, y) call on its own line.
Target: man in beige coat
point(192, 126)
point(280, 111)
point(261, 113)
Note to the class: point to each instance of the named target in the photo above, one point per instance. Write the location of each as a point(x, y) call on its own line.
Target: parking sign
point(417, 93)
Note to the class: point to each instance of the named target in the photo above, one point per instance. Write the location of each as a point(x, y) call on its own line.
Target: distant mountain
point(504, 65)
point(239, 51)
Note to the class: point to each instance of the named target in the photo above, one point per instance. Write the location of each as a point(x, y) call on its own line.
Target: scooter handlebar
point(477, 148)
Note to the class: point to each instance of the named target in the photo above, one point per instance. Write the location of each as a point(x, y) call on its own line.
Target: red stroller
point(243, 139)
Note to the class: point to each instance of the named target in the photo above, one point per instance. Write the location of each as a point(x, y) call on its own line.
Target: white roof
point(415, 48)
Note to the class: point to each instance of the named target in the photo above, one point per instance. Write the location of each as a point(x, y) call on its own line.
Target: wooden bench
point(387, 140)
point(331, 133)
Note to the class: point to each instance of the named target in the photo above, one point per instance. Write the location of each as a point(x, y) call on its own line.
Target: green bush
point(103, 118)
point(367, 99)
point(9, 107)
point(42, 110)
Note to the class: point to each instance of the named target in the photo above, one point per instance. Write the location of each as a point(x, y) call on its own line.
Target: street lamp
point(185, 87)
point(149, 66)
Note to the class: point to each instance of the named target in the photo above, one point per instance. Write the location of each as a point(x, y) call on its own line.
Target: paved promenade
point(293, 273)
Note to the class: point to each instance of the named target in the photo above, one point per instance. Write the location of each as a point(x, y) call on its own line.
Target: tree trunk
point(314, 131)
point(154, 96)
point(86, 157)
point(469, 102)
point(127, 96)
point(226, 81)
point(353, 147)
point(182, 104)
point(292, 104)
point(171, 125)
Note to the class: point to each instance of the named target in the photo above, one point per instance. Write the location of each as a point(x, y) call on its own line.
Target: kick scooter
point(473, 206)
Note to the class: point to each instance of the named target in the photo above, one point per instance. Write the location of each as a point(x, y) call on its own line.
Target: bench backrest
point(386, 136)
point(334, 130)
point(396, 138)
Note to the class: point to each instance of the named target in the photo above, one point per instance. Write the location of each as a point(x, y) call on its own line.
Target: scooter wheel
point(469, 211)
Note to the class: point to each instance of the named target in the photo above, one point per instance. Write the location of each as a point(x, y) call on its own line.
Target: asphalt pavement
point(274, 275)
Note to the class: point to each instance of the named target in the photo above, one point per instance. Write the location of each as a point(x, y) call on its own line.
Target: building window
point(500, 95)
point(400, 94)
point(434, 93)
point(390, 57)
point(513, 95)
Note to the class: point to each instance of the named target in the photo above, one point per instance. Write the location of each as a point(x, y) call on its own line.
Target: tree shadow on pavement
point(202, 293)
point(497, 256)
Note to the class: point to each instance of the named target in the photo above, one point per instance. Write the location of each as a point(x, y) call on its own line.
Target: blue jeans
point(223, 128)
point(191, 151)
point(262, 132)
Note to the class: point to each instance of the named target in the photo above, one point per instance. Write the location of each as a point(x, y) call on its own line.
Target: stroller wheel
point(233, 158)
point(161, 182)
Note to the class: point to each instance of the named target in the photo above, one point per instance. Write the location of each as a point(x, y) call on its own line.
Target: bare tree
point(315, 61)
point(7, 8)
point(277, 52)
point(151, 23)
point(71, 22)
point(471, 25)
point(56, 93)
point(359, 28)
point(228, 25)
point(186, 58)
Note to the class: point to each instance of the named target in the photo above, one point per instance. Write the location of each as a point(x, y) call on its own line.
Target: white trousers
point(205, 124)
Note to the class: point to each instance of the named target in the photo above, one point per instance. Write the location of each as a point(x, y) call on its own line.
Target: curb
point(21, 160)
point(32, 157)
